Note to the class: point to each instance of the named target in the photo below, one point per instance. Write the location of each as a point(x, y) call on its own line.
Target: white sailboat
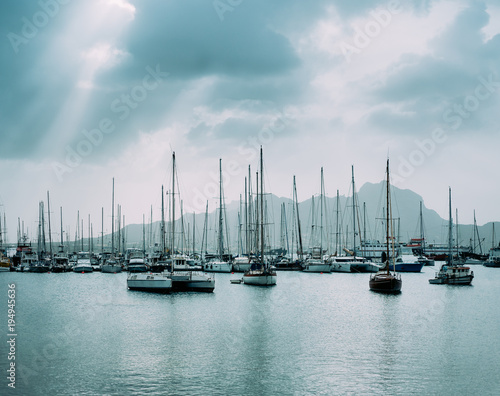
point(451, 273)
point(316, 262)
point(185, 280)
point(158, 283)
point(260, 273)
point(83, 263)
point(111, 264)
point(219, 264)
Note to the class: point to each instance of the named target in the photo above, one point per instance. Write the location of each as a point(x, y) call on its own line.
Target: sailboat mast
point(456, 221)
point(173, 202)
point(50, 232)
point(143, 235)
point(337, 231)
point(113, 219)
point(261, 205)
point(162, 221)
point(450, 230)
point(194, 233)
point(62, 235)
point(321, 201)
point(102, 229)
point(301, 251)
point(353, 214)
point(387, 218)
point(221, 242)
point(246, 218)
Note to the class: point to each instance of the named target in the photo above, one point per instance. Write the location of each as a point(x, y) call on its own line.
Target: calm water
point(311, 334)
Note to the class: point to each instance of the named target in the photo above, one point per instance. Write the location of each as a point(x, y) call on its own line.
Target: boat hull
point(317, 267)
point(492, 264)
point(111, 269)
point(385, 283)
point(341, 267)
point(409, 267)
point(463, 280)
point(260, 277)
point(83, 268)
point(192, 282)
point(149, 283)
point(137, 268)
point(218, 267)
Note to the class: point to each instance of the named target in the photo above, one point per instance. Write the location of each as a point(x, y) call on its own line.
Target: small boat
point(111, 265)
point(407, 261)
point(261, 273)
point(83, 263)
point(157, 283)
point(494, 258)
point(316, 265)
point(192, 281)
point(236, 281)
point(137, 261)
point(451, 273)
point(384, 281)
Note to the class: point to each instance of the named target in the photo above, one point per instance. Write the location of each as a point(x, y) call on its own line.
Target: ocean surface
point(318, 334)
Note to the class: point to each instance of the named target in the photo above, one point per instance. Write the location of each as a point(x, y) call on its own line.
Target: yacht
point(83, 263)
point(158, 283)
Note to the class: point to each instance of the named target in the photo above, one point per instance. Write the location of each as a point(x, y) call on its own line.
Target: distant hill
point(405, 211)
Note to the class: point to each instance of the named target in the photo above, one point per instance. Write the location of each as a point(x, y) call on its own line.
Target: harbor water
point(321, 334)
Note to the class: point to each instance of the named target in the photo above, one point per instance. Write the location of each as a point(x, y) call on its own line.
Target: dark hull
point(409, 267)
point(385, 284)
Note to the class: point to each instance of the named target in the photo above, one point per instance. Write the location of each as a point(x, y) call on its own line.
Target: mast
point(364, 227)
point(102, 229)
point(162, 222)
point(89, 234)
point(113, 219)
point(337, 231)
point(246, 219)
point(220, 240)
point(62, 234)
point(387, 217)
point(82, 234)
point(50, 232)
point(321, 202)
point(456, 221)
point(301, 251)
point(173, 203)
point(143, 235)
point(194, 233)
point(261, 205)
point(450, 230)
point(354, 212)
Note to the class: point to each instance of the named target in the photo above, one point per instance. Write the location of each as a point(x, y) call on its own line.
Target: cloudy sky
point(92, 90)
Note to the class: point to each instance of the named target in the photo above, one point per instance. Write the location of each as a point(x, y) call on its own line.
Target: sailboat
point(219, 265)
point(316, 263)
point(451, 273)
point(112, 265)
point(260, 273)
point(494, 256)
point(384, 281)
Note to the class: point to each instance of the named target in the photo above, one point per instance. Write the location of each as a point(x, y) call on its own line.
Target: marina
point(354, 341)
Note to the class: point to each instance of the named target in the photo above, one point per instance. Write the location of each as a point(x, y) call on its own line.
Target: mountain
point(405, 212)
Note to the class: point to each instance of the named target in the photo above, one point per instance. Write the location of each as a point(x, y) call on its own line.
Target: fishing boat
point(83, 263)
point(158, 283)
point(493, 260)
point(452, 273)
point(219, 264)
point(384, 281)
point(260, 273)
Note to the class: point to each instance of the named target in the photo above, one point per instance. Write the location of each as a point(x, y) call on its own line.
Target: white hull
point(261, 280)
point(149, 282)
point(341, 267)
point(218, 266)
point(189, 281)
point(83, 268)
point(317, 267)
point(359, 266)
point(111, 269)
